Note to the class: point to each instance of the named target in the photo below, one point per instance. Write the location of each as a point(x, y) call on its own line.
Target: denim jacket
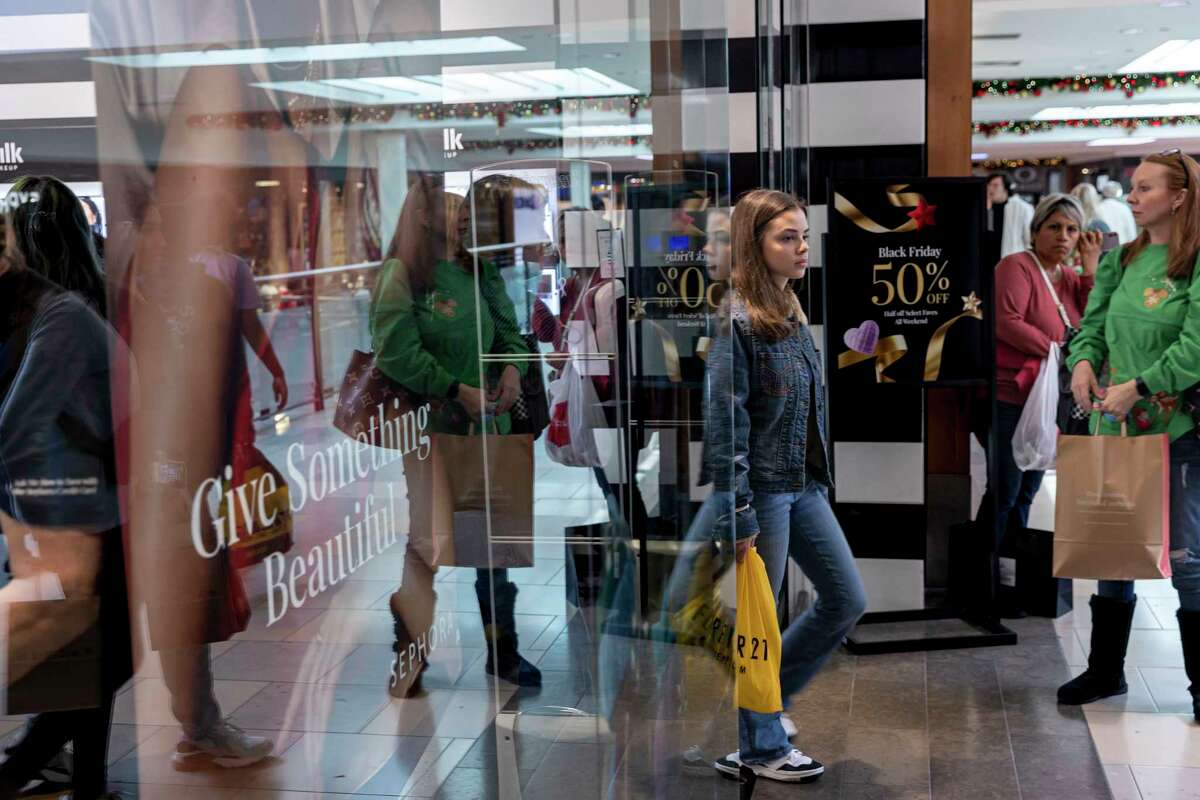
point(758, 412)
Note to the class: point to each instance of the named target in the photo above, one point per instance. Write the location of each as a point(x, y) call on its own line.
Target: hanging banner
point(906, 298)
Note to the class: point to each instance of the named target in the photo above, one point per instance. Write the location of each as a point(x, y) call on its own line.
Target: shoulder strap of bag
point(1062, 310)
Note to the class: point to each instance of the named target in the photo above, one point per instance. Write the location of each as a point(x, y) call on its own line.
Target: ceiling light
point(266, 184)
point(1176, 55)
point(1173, 3)
point(348, 51)
point(1130, 111)
point(596, 131)
point(1131, 31)
point(462, 87)
point(1122, 142)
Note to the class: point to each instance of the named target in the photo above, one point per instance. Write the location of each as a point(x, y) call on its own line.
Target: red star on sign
point(923, 214)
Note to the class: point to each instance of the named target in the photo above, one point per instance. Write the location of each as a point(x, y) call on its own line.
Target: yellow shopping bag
point(757, 641)
point(703, 622)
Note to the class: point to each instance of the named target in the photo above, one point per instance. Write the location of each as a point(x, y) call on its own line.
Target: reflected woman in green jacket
point(1142, 326)
point(428, 335)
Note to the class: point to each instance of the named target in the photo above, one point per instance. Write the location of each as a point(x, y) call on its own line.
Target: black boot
point(500, 630)
point(409, 684)
point(1189, 632)
point(1105, 675)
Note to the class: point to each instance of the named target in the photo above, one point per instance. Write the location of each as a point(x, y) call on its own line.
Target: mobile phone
point(1109, 241)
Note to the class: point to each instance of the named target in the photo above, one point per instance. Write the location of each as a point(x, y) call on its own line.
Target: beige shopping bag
point(1111, 517)
point(465, 483)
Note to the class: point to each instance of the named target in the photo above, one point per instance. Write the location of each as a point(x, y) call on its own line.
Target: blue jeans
point(1185, 528)
point(1017, 489)
point(802, 524)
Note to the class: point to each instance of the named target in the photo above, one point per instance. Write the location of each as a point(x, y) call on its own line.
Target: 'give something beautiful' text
point(313, 477)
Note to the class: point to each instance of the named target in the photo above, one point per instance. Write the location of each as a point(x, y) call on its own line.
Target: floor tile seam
point(928, 732)
point(1132, 778)
point(1008, 731)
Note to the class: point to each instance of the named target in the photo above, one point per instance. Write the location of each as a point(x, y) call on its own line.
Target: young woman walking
point(770, 371)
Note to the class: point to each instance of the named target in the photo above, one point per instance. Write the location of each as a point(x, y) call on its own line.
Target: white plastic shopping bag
point(1036, 439)
point(575, 415)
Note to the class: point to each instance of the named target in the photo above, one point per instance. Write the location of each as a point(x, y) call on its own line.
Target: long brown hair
point(773, 311)
point(1182, 173)
point(421, 239)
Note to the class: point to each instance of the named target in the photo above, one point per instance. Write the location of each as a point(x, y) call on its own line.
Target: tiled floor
point(615, 713)
point(1147, 740)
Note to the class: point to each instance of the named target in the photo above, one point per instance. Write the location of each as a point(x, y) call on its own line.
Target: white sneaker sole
point(791, 776)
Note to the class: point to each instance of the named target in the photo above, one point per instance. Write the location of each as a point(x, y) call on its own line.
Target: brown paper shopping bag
point(1111, 518)
point(465, 483)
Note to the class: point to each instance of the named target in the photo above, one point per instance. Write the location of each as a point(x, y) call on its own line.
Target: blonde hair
point(1089, 198)
point(1182, 173)
point(774, 312)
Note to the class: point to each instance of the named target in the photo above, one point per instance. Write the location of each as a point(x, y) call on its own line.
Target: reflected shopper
point(1142, 325)
point(67, 639)
point(780, 471)
point(181, 321)
point(429, 336)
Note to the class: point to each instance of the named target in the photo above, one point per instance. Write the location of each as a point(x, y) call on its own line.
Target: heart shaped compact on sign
point(863, 338)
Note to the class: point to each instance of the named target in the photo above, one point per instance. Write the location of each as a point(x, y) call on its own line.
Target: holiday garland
point(1026, 127)
point(425, 112)
point(1128, 84)
point(993, 164)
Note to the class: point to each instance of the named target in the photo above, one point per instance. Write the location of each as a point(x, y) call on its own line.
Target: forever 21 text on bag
point(757, 642)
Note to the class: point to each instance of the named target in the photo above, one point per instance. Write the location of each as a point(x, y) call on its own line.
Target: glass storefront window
point(373, 454)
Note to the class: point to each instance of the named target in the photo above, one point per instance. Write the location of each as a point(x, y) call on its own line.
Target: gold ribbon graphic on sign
point(894, 197)
point(933, 355)
point(887, 352)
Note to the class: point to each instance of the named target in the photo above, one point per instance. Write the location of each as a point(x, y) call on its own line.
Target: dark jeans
point(1185, 528)
point(44, 738)
point(1016, 489)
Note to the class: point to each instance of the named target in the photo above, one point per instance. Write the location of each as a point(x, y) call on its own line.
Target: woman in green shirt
point(428, 334)
point(1142, 325)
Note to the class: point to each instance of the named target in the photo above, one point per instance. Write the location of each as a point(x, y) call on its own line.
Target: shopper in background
point(429, 338)
point(771, 455)
point(49, 226)
point(1142, 324)
point(1116, 213)
point(1089, 201)
point(1038, 299)
point(70, 611)
point(96, 223)
point(1008, 215)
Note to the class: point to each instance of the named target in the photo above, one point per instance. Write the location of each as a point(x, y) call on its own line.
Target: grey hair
point(1050, 205)
point(1112, 190)
point(1089, 198)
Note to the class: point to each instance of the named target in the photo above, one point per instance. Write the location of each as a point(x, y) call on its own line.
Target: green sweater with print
point(1143, 324)
point(426, 343)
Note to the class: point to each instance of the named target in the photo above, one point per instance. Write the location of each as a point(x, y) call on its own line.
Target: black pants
point(45, 737)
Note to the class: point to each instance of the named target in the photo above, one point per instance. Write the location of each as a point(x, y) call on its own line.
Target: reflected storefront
point(383, 439)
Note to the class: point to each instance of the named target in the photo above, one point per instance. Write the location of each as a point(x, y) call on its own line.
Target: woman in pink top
point(1037, 296)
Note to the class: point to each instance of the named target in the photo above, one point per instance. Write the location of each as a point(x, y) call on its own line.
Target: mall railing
point(314, 332)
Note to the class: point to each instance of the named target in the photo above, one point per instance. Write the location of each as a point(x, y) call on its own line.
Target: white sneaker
point(795, 767)
point(226, 745)
point(789, 726)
